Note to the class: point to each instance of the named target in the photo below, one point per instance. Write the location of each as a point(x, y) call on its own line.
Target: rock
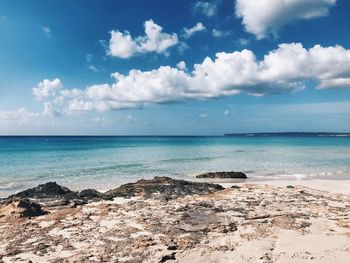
point(52, 194)
point(223, 175)
point(21, 208)
point(168, 257)
point(163, 188)
point(290, 186)
point(172, 247)
point(90, 194)
point(47, 190)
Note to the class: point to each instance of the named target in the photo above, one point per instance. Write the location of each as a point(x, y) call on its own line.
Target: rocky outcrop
point(21, 208)
point(223, 175)
point(163, 188)
point(52, 194)
point(47, 190)
point(90, 194)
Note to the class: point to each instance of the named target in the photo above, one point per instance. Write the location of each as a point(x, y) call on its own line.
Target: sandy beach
point(167, 220)
point(328, 185)
point(188, 131)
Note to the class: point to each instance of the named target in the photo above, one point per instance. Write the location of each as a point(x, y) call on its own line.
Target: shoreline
point(334, 184)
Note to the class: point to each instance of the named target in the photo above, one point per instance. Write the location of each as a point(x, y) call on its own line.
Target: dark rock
point(290, 186)
point(163, 188)
point(22, 208)
point(47, 190)
point(53, 195)
point(90, 194)
point(223, 175)
point(172, 247)
point(168, 257)
point(30, 209)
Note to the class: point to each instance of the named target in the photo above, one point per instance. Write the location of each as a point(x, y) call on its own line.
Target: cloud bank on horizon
point(286, 68)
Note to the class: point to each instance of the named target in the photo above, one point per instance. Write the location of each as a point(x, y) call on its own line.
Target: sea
point(104, 162)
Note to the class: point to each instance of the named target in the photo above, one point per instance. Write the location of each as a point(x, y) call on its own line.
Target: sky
point(152, 67)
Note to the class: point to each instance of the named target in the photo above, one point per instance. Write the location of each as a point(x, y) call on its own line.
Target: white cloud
point(208, 9)
point(220, 33)
point(47, 31)
point(334, 83)
point(21, 114)
point(203, 115)
point(47, 88)
point(261, 17)
point(189, 32)
point(285, 69)
point(122, 45)
point(50, 109)
point(181, 65)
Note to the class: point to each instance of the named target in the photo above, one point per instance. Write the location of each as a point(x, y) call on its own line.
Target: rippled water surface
point(105, 162)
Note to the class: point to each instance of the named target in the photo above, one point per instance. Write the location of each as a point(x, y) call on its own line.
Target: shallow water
point(105, 162)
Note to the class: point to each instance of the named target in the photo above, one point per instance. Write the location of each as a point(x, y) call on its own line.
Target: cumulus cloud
point(208, 9)
point(268, 16)
point(189, 32)
point(123, 45)
point(285, 69)
point(181, 65)
point(47, 88)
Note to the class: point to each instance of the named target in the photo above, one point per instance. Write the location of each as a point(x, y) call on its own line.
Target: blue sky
point(174, 67)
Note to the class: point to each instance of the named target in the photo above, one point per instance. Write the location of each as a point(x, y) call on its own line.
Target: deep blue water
point(105, 162)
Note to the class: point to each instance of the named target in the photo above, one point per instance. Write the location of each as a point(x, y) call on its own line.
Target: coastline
point(167, 220)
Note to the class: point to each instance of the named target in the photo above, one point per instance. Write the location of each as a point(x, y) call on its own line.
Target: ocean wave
point(10, 186)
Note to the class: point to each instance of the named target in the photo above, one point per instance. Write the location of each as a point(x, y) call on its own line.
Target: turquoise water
point(105, 162)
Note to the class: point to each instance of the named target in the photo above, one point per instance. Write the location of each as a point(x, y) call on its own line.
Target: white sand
point(332, 186)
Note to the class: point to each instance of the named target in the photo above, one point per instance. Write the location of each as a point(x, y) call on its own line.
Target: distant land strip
point(290, 134)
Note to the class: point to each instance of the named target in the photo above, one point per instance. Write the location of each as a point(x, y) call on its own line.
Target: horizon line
point(174, 135)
